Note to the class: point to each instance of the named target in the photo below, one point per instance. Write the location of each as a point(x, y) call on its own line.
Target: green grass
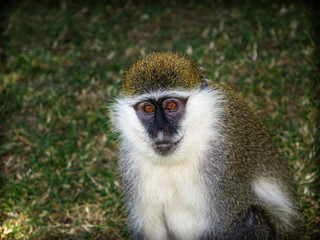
point(62, 64)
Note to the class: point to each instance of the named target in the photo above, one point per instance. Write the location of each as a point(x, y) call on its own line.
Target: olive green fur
point(247, 139)
point(163, 70)
point(250, 153)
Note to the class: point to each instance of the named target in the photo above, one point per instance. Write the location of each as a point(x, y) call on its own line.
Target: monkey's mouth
point(165, 148)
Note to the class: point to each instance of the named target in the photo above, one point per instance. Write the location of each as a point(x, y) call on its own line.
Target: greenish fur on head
point(163, 70)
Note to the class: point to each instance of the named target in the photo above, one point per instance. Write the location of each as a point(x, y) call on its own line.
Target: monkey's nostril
point(161, 137)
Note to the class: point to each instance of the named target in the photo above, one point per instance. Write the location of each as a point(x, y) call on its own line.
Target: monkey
point(196, 160)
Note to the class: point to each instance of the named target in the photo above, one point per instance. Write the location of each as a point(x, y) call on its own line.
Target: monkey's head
point(161, 90)
point(161, 71)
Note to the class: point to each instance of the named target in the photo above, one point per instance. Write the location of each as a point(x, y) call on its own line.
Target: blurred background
point(61, 64)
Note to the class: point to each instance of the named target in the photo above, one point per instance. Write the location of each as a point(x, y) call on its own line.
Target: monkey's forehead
point(161, 71)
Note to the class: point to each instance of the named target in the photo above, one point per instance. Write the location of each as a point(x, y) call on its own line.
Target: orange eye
point(149, 108)
point(171, 105)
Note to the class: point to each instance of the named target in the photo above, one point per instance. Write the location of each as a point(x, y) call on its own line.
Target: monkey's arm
point(254, 224)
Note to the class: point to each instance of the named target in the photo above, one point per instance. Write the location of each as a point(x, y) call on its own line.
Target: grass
point(61, 64)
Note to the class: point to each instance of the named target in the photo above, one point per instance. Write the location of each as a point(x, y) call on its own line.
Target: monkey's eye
point(171, 105)
point(149, 108)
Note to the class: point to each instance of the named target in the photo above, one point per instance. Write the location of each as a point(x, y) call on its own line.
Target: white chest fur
point(172, 200)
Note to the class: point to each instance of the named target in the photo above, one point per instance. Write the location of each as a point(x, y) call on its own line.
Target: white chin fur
point(201, 117)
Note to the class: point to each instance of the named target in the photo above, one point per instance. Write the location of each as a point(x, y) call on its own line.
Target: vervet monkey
point(196, 161)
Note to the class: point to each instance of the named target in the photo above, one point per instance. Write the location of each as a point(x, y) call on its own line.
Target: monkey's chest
point(173, 202)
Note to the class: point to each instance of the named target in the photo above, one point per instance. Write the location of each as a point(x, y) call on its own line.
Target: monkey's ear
point(134, 57)
point(204, 83)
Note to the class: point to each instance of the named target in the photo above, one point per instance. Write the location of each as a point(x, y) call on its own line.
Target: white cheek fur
point(127, 122)
point(200, 125)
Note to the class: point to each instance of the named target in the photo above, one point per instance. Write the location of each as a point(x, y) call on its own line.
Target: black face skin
point(161, 118)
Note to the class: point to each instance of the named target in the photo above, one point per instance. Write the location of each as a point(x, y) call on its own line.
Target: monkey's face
point(161, 119)
point(168, 126)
